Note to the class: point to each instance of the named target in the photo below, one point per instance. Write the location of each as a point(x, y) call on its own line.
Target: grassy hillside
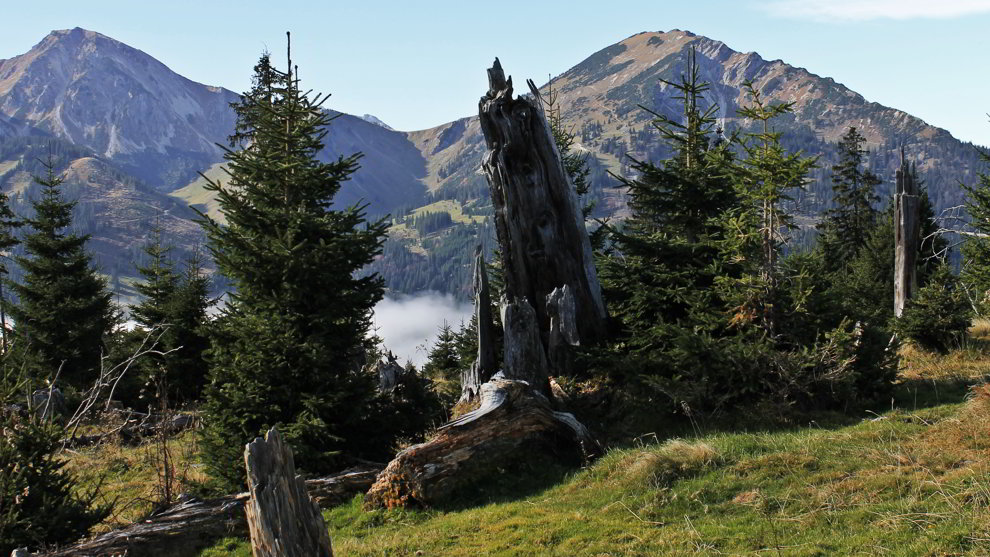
point(196, 195)
point(913, 479)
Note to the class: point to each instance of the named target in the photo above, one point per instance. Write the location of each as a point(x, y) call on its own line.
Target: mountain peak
point(72, 39)
point(97, 92)
point(75, 32)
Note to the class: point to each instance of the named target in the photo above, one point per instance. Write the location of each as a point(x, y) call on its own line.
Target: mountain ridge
point(132, 112)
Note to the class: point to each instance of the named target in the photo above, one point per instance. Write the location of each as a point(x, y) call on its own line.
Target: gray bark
point(486, 364)
point(283, 520)
point(538, 221)
point(552, 303)
point(563, 329)
point(389, 373)
point(907, 227)
point(184, 529)
point(525, 357)
point(511, 421)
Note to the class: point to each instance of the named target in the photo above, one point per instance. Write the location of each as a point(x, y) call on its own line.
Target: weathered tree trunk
point(184, 529)
point(907, 227)
point(525, 357)
point(512, 421)
point(486, 364)
point(283, 520)
point(552, 303)
point(538, 221)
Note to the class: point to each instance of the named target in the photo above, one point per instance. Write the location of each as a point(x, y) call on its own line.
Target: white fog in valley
point(409, 324)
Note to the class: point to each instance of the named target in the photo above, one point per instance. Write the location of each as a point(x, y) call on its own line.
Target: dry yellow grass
point(127, 476)
point(969, 361)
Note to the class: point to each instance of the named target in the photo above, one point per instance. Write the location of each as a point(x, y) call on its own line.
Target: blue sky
point(418, 64)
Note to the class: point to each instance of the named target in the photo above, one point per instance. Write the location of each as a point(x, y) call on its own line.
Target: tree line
point(711, 312)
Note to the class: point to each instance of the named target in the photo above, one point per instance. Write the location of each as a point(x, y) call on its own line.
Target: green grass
point(904, 483)
point(196, 194)
point(451, 207)
point(913, 480)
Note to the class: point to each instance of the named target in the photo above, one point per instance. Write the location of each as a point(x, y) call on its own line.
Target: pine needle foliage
point(976, 249)
point(289, 346)
point(9, 222)
point(938, 317)
point(64, 309)
point(173, 307)
point(39, 501)
point(160, 281)
point(658, 277)
point(847, 225)
point(756, 231)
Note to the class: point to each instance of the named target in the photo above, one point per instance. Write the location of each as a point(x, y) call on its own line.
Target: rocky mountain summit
point(125, 106)
point(603, 100)
point(129, 115)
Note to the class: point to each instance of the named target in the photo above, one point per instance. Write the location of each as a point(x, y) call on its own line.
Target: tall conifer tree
point(976, 249)
point(287, 350)
point(848, 224)
point(159, 283)
point(190, 334)
point(766, 178)
point(64, 307)
point(174, 307)
point(8, 223)
point(659, 283)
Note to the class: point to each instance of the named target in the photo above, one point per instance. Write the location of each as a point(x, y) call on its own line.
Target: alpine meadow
point(669, 298)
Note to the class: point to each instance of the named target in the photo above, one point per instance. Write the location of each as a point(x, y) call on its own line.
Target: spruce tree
point(663, 268)
point(443, 365)
point(8, 223)
point(658, 277)
point(976, 249)
point(160, 281)
point(173, 308)
point(847, 225)
point(288, 348)
point(756, 232)
point(41, 503)
point(64, 308)
point(187, 367)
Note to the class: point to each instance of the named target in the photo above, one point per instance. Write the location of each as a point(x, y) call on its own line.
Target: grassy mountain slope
point(912, 479)
point(116, 209)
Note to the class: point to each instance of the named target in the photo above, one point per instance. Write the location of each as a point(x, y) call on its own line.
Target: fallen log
point(512, 421)
point(191, 525)
point(133, 432)
point(182, 529)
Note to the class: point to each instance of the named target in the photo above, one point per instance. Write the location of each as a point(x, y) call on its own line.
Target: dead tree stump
point(538, 220)
point(184, 529)
point(552, 303)
point(283, 520)
point(486, 362)
point(907, 227)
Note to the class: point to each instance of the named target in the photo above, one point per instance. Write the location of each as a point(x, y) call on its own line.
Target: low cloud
point(864, 10)
point(409, 324)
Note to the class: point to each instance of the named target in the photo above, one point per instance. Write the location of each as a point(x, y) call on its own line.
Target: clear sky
point(420, 63)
